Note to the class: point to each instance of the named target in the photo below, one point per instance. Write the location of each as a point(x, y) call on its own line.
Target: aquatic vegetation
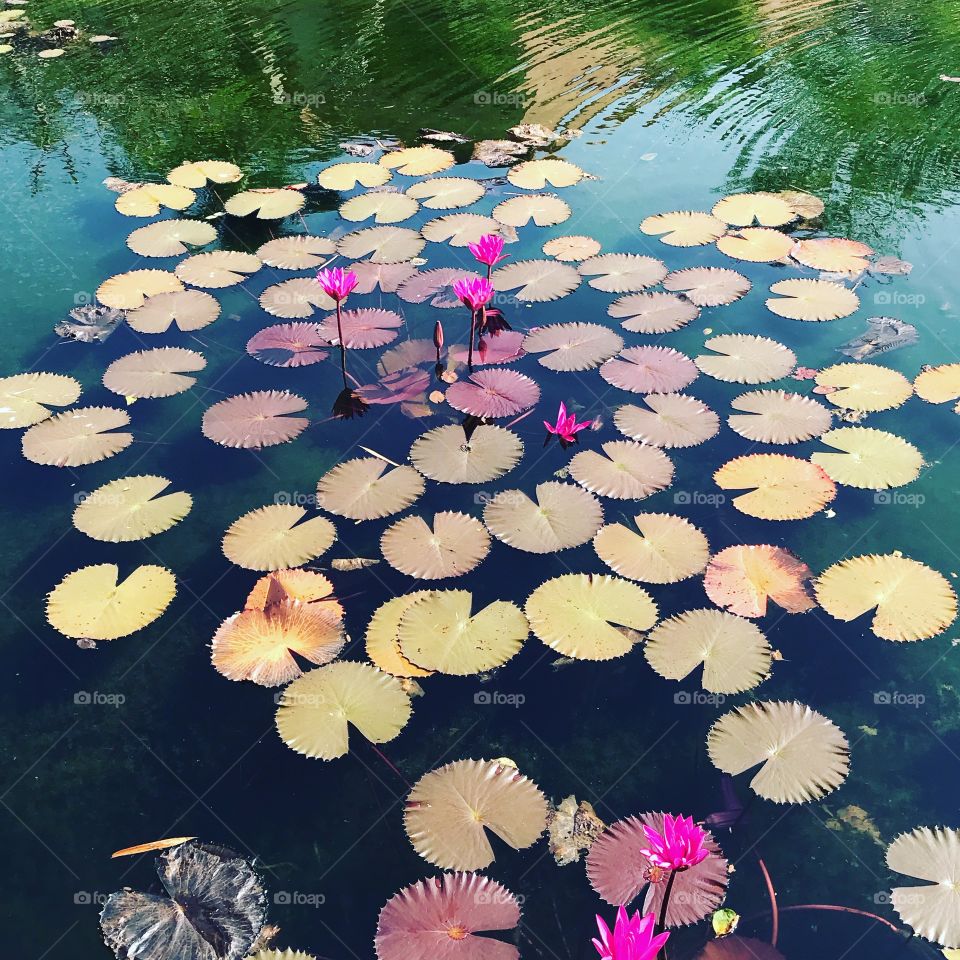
point(214, 908)
point(419, 519)
point(488, 250)
point(632, 938)
point(566, 426)
point(676, 845)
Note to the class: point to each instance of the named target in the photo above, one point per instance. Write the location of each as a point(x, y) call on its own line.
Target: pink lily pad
point(386, 276)
point(440, 919)
point(650, 369)
point(255, 420)
point(400, 387)
point(503, 348)
point(367, 327)
point(289, 345)
point(618, 871)
point(435, 287)
point(493, 393)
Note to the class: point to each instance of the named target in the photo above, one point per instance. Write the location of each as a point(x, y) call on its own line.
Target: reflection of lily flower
point(632, 937)
point(337, 284)
point(475, 293)
point(348, 405)
point(488, 250)
point(679, 846)
point(566, 427)
point(492, 321)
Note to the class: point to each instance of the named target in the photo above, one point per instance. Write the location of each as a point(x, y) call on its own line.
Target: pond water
point(677, 104)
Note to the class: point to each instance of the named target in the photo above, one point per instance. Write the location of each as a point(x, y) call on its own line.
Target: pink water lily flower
point(681, 845)
point(566, 427)
point(337, 282)
point(473, 292)
point(488, 249)
point(632, 937)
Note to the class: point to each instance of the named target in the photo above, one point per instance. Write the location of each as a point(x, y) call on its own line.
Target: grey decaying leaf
point(214, 909)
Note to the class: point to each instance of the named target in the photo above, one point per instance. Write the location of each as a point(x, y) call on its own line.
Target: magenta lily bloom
point(566, 427)
point(632, 938)
point(475, 292)
point(679, 846)
point(337, 282)
point(488, 250)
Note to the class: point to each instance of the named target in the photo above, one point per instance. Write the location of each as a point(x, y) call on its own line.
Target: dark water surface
point(679, 103)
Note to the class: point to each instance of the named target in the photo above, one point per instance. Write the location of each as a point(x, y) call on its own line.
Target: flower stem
point(774, 912)
point(473, 326)
point(662, 922)
point(343, 349)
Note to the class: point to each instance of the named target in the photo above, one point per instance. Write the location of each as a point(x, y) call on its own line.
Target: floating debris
point(571, 829)
point(90, 323)
point(882, 335)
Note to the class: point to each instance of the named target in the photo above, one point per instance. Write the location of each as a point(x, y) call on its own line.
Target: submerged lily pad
point(214, 909)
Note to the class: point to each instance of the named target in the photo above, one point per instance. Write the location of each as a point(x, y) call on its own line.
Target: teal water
point(678, 104)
